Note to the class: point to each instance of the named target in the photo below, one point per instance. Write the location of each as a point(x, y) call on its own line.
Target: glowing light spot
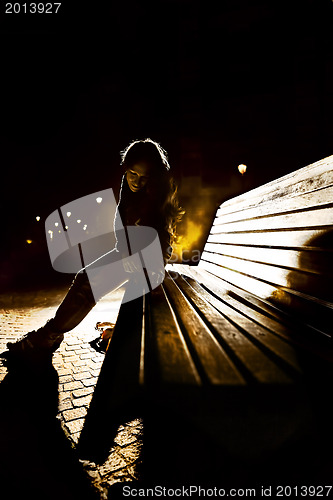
point(50, 233)
point(187, 242)
point(69, 214)
point(78, 221)
point(84, 227)
point(56, 224)
point(242, 168)
point(66, 227)
point(99, 199)
point(37, 218)
point(29, 242)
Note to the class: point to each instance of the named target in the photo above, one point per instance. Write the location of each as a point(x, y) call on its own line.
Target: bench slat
point(251, 326)
point(314, 312)
point(307, 179)
point(219, 285)
point(293, 238)
point(303, 202)
point(269, 279)
point(316, 261)
point(247, 305)
point(166, 345)
point(260, 310)
point(223, 288)
point(316, 219)
point(208, 354)
point(288, 200)
point(280, 276)
point(260, 351)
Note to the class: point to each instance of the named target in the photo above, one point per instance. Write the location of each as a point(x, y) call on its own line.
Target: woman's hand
point(106, 332)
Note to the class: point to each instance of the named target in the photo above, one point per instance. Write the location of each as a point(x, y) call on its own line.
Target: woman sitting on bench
point(148, 197)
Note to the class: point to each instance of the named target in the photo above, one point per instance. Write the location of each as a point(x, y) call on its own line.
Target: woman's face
point(137, 176)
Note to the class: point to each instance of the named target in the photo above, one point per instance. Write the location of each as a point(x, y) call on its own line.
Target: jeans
point(81, 298)
point(139, 264)
point(76, 305)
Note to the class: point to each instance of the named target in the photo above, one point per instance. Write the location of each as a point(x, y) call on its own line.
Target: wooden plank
point(166, 351)
point(315, 285)
point(122, 367)
point(269, 315)
point(117, 386)
point(315, 313)
point(238, 329)
point(232, 278)
point(314, 200)
point(304, 178)
point(310, 219)
point(318, 262)
point(307, 238)
point(289, 194)
point(290, 287)
point(215, 363)
point(256, 310)
point(223, 288)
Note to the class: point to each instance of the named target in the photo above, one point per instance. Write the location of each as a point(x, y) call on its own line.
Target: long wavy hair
point(158, 204)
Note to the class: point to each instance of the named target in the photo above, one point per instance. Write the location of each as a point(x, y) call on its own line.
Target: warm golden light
point(29, 242)
point(242, 168)
point(37, 218)
point(187, 242)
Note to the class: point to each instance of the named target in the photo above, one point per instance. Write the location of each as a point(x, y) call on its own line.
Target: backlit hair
point(161, 201)
point(147, 150)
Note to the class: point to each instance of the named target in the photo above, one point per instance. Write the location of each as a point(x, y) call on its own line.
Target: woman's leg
point(77, 303)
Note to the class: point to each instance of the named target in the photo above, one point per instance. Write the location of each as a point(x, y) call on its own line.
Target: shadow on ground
point(37, 460)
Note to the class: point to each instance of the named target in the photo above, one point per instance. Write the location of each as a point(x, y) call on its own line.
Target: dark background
point(217, 83)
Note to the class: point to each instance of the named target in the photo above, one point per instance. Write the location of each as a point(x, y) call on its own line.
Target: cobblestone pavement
point(78, 366)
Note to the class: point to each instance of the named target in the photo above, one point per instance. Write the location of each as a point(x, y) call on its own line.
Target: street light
point(242, 168)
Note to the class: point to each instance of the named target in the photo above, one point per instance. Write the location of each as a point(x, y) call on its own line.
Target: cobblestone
point(88, 382)
point(75, 427)
point(65, 378)
point(78, 367)
point(83, 392)
point(74, 414)
point(70, 386)
point(65, 405)
point(81, 375)
point(84, 401)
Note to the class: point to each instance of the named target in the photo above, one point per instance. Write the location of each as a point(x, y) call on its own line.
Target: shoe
point(35, 344)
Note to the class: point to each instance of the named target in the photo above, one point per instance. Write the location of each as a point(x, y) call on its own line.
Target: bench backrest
point(275, 242)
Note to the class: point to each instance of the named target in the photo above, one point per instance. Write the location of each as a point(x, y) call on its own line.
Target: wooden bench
point(237, 351)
